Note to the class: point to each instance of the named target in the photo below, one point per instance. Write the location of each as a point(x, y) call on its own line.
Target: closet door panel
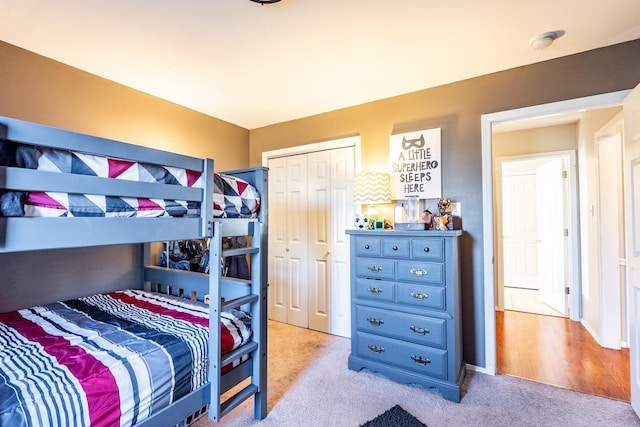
point(278, 260)
point(341, 216)
point(297, 240)
point(318, 213)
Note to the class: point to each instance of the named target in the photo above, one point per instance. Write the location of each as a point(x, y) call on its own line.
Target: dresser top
point(407, 233)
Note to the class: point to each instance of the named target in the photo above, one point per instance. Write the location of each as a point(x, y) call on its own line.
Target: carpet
point(396, 417)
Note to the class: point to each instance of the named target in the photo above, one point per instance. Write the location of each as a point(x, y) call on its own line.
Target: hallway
point(557, 351)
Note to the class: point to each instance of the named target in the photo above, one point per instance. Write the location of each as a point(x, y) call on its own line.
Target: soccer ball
point(361, 222)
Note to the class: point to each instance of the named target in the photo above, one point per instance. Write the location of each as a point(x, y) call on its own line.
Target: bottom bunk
point(107, 359)
point(141, 357)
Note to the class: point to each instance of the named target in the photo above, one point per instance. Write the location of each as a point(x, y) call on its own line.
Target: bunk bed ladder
point(254, 302)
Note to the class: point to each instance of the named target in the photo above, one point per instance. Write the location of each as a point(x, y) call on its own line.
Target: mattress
point(233, 197)
point(107, 359)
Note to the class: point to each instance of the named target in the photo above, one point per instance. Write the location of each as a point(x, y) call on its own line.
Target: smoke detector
point(545, 39)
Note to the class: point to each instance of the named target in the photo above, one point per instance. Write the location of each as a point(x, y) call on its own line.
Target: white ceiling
point(255, 65)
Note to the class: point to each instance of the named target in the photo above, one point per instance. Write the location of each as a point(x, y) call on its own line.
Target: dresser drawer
point(428, 248)
point(375, 290)
point(396, 248)
point(431, 272)
point(367, 246)
point(419, 329)
point(423, 296)
point(417, 358)
point(375, 268)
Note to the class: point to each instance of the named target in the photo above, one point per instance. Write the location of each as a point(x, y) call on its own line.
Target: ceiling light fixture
point(545, 39)
point(262, 2)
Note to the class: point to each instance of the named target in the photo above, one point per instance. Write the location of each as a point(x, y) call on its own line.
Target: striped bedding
point(232, 197)
point(109, 359)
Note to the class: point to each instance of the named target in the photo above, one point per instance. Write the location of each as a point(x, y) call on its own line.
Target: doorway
point(534, 216)
point(491, 271)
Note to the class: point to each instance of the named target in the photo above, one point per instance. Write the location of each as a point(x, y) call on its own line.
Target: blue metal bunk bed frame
point(26, 234)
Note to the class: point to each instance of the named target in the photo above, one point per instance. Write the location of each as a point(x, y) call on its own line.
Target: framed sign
point(416, 164)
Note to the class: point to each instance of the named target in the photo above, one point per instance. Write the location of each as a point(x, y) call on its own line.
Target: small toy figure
point(441, 222)
point(443, 218)
point(444, 206)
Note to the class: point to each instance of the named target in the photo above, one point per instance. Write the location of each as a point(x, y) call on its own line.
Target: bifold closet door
point(310, 206)
point(288, 247)
point(330, 203)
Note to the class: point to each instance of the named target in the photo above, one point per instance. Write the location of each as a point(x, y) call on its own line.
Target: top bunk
point(62, 189)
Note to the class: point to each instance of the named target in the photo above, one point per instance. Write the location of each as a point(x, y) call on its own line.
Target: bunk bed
point(219, 323)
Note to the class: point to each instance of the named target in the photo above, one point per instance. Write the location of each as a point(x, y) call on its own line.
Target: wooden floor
point(557, 351)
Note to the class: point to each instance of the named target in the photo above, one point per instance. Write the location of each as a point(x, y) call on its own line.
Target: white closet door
point(330, 209)
point(341, 215)
point(288, 296)
point(311, 206)
point(318, 209)
point(278, 258)
point(297, 241)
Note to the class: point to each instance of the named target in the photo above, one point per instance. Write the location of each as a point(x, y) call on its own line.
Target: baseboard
point(479, 369)
point(590, 330)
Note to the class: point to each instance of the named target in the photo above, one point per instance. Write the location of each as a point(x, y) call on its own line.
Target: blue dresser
point(405, 307)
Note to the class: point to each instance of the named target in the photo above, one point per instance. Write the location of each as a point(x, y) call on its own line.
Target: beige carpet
point(309, 385)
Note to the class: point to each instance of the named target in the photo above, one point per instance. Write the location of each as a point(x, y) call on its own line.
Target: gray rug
point(396, 417)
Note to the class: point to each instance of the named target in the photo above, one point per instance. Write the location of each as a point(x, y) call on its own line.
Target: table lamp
point(372, 188)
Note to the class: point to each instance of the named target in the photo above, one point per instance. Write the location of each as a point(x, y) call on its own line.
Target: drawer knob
point(418, 272)
point(375, 321)
point(395, 248)
point(426, 249)
point(420, 360)
point(375, 268)
point(375, 291)
point(419, 296)
point(367, 246)
point(376, 348)
point(418, 330)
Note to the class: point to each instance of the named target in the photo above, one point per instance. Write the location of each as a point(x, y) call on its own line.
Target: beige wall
point(537, 140)
point(457, 109)
point(41, 90)
point(37, 89)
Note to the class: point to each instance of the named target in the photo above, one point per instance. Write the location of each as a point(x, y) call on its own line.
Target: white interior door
point(341, 214)
point(519, 230)
point(278, 259)
point(330, 183)
point(551, 234)
point(288, 249)
point(297, 241)
point(631, 108)
point(319, 206)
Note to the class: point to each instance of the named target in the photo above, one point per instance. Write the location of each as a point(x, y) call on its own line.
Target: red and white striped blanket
point(109, 359)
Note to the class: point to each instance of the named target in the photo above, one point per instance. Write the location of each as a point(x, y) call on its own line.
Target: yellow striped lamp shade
point(372, 188)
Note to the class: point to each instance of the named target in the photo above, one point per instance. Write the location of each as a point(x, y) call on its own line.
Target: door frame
point(487, 121)
point(571, 203)
point(349, 141)
point(612, 325)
